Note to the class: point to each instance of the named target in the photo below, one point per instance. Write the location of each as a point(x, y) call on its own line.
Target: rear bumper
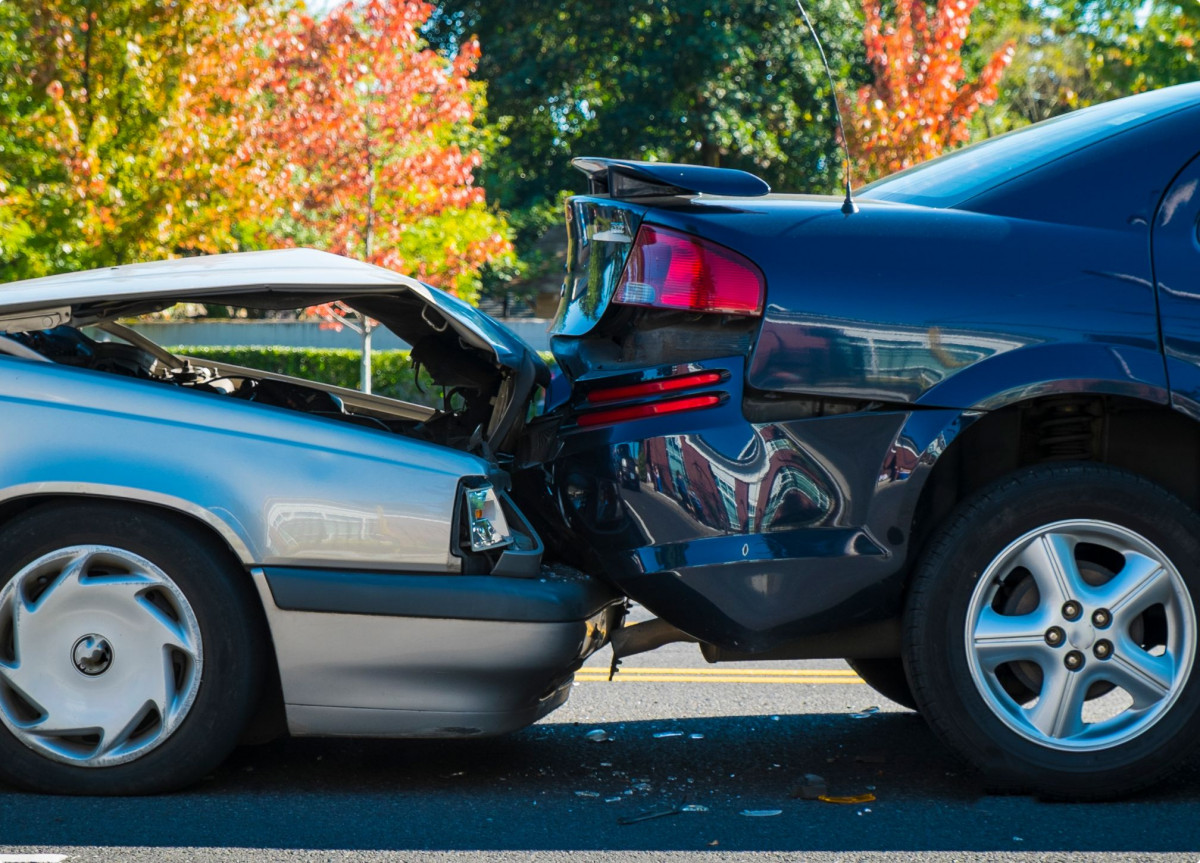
point(398, 655)
point(752, 535)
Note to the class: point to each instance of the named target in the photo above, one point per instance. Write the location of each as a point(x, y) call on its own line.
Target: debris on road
point(847, 801)
point(761, 813)
point(693, 807)
point(812, 787)
point(650, 814)
point(870, 711)
point(695, 737)
point(587, 793)
point(599, 735)
point(661, 734)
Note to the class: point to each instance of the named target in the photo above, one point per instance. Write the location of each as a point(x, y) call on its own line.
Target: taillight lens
point(487, 527)
point(672, 270)
point(637, 412)
point(654, 388)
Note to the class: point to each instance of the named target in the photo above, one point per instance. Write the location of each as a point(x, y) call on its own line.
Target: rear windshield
point(963, 174)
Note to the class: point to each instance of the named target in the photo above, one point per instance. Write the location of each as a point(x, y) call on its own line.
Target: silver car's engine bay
point(469, 384)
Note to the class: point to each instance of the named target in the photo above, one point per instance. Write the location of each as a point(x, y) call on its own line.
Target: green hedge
point(391, 371)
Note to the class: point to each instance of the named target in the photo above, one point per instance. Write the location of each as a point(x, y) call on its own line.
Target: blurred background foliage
point(436, 138)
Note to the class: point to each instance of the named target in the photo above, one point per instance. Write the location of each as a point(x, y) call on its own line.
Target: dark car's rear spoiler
point(622, 178)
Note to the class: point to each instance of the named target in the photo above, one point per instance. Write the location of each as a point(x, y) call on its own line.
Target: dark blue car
point(951, 436)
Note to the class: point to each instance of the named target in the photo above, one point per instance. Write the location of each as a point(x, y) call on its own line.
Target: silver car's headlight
point(486, 524)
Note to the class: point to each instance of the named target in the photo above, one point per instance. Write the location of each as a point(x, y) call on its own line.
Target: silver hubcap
point(100, 656)
point(1080, 635)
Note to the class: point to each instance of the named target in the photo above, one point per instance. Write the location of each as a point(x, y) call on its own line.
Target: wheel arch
point(267, 721)
point(1140, 435)
point(228, 534)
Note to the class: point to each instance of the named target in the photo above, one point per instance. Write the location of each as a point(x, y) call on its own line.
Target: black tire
point(886, 676)
point(224, 686)
point(983, 704)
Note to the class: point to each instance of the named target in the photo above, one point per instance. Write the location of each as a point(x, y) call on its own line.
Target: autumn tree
point(376, 132)
point(919, 103)
point(86, 87)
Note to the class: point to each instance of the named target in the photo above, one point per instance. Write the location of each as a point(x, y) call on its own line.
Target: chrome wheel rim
point(1080, 635)
point(100, 656)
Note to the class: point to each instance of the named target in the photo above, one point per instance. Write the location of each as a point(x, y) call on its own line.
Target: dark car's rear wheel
point(1051, 631)
point(886, 676)
point(127, 660)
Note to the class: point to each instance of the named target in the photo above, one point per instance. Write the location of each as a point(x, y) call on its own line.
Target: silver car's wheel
point(1080, 635)
point(132, 650)
point(102, 655)
point(1050, 633)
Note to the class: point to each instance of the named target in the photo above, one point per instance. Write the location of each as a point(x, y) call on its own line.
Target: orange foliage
point(344, 132)
point(918, 105)
point(368, 120)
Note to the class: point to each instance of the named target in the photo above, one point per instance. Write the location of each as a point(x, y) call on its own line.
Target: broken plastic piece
point(693, 807)
point(761, 813)
point(612, 799)
point(598, 735)
point(661, 734)
point(587, 793)
point(695, 736)
point(812, 787)
point(851, 800)
point(870, 711)
point(649, 815)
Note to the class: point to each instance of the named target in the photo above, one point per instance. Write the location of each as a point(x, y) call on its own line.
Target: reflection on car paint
point(865, 359)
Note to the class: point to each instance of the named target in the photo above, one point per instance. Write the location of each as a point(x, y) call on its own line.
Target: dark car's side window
point(963, 174)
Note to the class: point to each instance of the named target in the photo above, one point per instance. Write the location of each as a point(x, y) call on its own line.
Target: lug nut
point(1071, 610)
point(1055, 636)
point(1101, 617)
point(1103, 649)
point(1073, 660)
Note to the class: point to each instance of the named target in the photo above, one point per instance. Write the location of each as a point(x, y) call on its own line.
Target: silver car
point(194, 552)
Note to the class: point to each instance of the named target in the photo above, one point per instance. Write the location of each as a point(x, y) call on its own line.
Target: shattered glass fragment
point(870, 711)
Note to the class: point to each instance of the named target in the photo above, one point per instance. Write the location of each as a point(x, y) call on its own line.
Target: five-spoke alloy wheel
point(1051, 631)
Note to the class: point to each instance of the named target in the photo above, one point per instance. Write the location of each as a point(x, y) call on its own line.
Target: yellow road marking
point(714, 675)
point(727, 670)
point(642, 678)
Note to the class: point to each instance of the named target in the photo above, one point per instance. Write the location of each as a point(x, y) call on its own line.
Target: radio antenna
point(848, 205)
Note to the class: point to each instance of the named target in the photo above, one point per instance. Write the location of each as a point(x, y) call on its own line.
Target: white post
point(365, 370)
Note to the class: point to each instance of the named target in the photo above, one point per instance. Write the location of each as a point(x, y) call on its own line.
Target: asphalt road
point(741, 743)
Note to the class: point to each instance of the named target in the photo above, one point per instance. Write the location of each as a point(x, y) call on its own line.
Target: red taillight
point(673, 270)
point(617, 415)
point(653, 388)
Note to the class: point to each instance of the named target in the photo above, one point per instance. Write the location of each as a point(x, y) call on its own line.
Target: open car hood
point(281, 279)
